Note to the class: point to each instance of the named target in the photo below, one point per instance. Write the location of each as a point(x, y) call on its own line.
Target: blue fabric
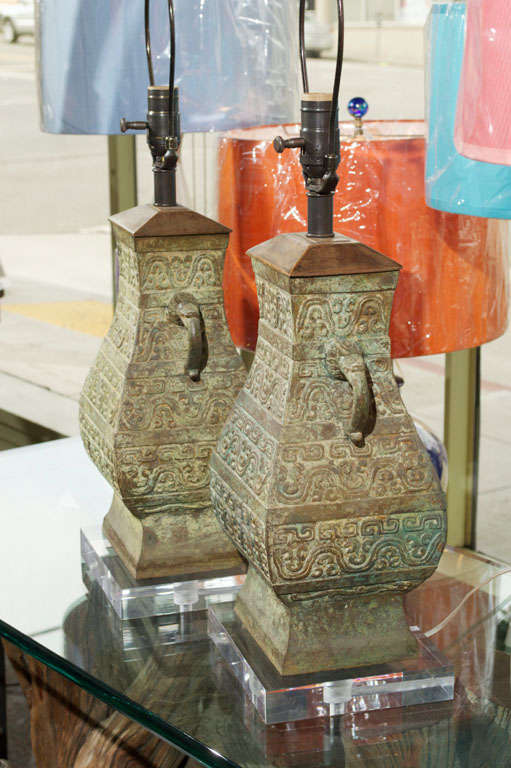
point(453, 182)
point(236, 63)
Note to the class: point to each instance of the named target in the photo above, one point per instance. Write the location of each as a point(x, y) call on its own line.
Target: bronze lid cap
point(297, 255)
point(151, 221)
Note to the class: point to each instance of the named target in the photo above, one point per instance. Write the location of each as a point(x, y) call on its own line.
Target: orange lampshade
point(453, 289)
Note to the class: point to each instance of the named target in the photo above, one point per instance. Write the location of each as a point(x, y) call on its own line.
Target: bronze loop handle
point(345, 360)
point(187, 313)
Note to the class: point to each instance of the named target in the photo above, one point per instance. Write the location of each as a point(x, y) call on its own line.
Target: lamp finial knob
point(358, 108)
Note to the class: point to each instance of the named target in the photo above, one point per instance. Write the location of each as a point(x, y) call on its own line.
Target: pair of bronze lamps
point(309, 468)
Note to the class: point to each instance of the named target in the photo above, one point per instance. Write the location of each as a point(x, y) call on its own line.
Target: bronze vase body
point(163, 384)
point(319, 476)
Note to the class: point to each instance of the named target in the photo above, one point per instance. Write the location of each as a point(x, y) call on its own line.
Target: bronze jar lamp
point(167, 373)
point(319, 476)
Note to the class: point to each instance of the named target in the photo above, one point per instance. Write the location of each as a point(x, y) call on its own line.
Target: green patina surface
point(146, 424)
point(319, 476)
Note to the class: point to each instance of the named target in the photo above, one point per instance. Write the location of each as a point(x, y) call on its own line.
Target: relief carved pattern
point(146, 425)
point(318, 399)
point(110, 371)
point(386, 393)
point(101, 395)
point(160, 341)
point(145, 386)
point(362, 315)
point(239, 522)
point(165, 469)
point(274, 307)
point(206, 404)
point(325, 550)
point(314, 320)
point(128, 268)
point(161, 338)
point(182, 271)
point(268, 379)
point(122, 332)
point(306, 476)
point(97, 446)
point(383, 487)
point(247, 450)
point(102, 392)
point(358, 314)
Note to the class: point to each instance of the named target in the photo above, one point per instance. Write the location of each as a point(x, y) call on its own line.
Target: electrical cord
point(450, 616)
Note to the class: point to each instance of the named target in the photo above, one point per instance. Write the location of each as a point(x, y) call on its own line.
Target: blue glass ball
point(358, 107)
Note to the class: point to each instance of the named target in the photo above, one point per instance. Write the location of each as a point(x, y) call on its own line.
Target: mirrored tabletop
point(176, 685)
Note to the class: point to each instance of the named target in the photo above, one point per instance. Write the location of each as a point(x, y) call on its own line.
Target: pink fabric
point(483, 121)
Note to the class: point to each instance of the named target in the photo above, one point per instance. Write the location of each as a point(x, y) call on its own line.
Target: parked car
point(17, 19)
point(318, 36)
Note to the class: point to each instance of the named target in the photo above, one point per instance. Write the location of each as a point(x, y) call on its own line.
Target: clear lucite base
point(424, 678)
point(132, 599)
point(139, 639)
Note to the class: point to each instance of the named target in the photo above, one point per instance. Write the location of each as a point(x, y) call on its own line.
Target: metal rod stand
point(461, 434)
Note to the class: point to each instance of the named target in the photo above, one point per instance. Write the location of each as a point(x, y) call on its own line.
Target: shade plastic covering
point(453, 182)
point(236, 62)
point(483, 125)
point(453, 289)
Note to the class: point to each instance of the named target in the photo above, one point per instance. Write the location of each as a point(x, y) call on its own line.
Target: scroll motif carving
point(138, 386)
point(145, 386)
point(245, 448)
point(296, 453)
point(318, 399)
point(160, 342)
point(368, 314)
point(304, 482)
point(180, 271)
point(274, 307)
point(267, 379)
point(169, 473)
point(288, 458)
point(97, 446)
point(206, 407)
point(361, 314)
point(128, 271)
point(238, 521)
point(314, 319)
point(324, 550)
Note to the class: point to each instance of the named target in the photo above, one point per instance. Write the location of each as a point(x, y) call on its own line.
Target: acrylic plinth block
point(425, 677)
point(132, 599)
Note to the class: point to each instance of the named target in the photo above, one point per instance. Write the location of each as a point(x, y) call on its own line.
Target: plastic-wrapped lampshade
point(453, 288)
point(453, 182)
point(483, 123)
point(235, 65)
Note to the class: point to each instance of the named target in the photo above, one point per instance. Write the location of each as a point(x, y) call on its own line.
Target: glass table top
point(183, 692)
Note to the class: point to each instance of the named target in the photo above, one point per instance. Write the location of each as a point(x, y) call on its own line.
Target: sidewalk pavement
point(57, 308)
